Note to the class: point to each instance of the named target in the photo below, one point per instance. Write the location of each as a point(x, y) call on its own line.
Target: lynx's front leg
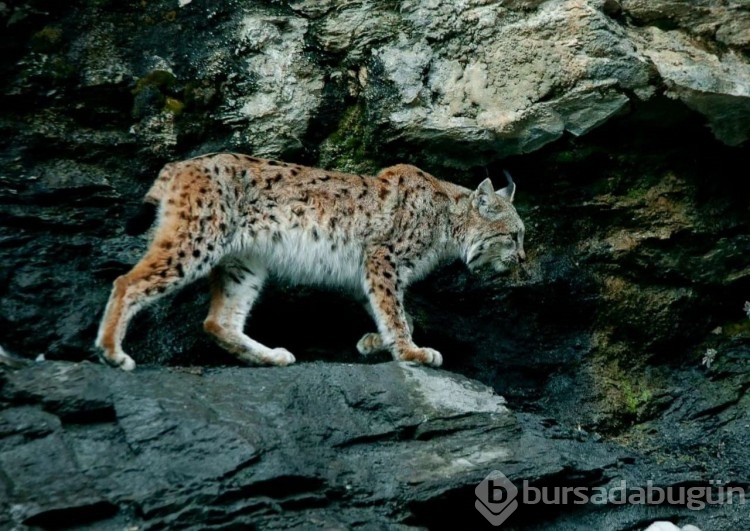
point(371, 342)
point(386, 301)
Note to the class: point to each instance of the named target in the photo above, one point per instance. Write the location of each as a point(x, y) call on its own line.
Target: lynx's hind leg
point(235, 286)
point(184, 247)
point(158, 273)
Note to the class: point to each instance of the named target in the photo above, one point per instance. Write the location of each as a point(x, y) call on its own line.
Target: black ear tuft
point(142, 221)
point(509, 192)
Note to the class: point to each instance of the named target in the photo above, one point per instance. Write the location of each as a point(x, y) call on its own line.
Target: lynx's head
point(495, 232)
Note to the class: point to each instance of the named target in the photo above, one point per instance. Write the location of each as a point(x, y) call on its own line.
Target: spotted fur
point(242, 219)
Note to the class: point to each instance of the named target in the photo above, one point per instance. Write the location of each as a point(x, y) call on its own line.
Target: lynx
point(242, 219)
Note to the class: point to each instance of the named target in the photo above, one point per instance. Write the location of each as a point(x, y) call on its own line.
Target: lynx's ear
point(509, 192)
point(482, 196)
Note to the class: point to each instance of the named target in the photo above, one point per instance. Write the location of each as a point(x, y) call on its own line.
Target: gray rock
point(726, 22)
point(86, 446)
point(277, 89)
point(505, 80)
point(637, 237)
point(320, 442)
point(716, 85)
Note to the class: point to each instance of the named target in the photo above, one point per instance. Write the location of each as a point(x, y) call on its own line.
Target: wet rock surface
point(319, 445)
point(621, 347)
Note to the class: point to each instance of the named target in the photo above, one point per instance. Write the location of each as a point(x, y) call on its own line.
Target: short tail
point(159, 188)
point(145, 217)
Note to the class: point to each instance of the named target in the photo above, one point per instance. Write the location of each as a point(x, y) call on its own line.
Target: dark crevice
point(404, 433)
point(70, 517)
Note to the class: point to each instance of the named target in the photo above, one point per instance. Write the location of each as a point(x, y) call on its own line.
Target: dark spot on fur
point(276, 237)
point(181, 254)
point(246, 270)
point(210, 247)
point(216, 170)
point(199, 203)
point(294, 172)
point(196, 253)
point(222, 226)
point(166, 244)
point(273, 163)
point(315, 234)
point(383, 193)
point(325, 177)
point(180, 270)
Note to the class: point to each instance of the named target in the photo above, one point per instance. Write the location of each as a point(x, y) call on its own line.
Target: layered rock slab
point(316, 444)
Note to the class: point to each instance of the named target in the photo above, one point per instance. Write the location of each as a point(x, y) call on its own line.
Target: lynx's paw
point(121, 360)
point(427, 356)
point(280, 357)
point(370, 344)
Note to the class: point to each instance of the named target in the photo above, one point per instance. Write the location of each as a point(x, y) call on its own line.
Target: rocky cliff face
point(625, 124)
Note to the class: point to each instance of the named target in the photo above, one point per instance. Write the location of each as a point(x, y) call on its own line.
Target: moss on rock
point(47, 40)
point(348, 148)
